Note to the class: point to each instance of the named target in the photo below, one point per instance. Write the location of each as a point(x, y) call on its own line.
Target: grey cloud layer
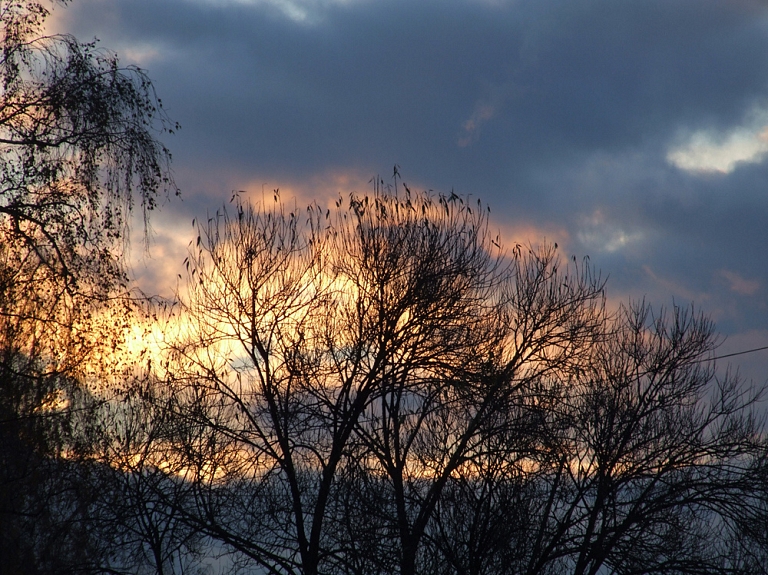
point(555, 112)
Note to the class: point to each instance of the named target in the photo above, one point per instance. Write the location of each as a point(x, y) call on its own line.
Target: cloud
point(722, 152)
point(527, 233)
point(322, 188)
point(675, 288)
point(586, 121)
point(155, 270)
point(751, 366)
point(299, 11)
point(739, 284)
point(142, 55)
point(471, 127)
point(599, 234)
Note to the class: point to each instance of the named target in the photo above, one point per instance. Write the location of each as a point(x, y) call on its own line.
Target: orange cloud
point(157, 272)
point(322, 188)
point(528, 233)
point(325, 187)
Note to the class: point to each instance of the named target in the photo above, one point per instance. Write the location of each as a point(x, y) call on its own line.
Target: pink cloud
point(739, 284)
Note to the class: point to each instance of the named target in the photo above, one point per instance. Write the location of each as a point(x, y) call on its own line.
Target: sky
point(632, 132)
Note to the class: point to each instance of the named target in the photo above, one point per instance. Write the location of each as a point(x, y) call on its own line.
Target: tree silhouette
point(651, 467)
point(373, 388)
point(77, 148)
point(379, 388)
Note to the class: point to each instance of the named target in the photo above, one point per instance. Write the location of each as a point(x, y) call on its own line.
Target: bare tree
point(77, 147)
point(378, 388)
point(445, 419)
point(652, 465)
point(381, 346)
point(662, 453)
point(138, 508)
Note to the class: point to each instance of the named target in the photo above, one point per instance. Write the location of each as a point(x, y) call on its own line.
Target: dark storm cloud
point(558, 113)
point(560, 79)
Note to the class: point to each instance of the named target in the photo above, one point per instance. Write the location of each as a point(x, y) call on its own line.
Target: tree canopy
point(78, 147)
point(380, 388)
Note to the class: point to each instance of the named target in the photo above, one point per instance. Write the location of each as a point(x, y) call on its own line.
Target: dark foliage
point(77, 148)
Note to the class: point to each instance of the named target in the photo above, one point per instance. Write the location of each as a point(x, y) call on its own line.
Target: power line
point(732, 354)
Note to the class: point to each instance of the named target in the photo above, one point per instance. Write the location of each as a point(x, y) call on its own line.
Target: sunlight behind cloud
point(707, 151)
point(324, 187)
point(141, 54)
point(597, 233)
